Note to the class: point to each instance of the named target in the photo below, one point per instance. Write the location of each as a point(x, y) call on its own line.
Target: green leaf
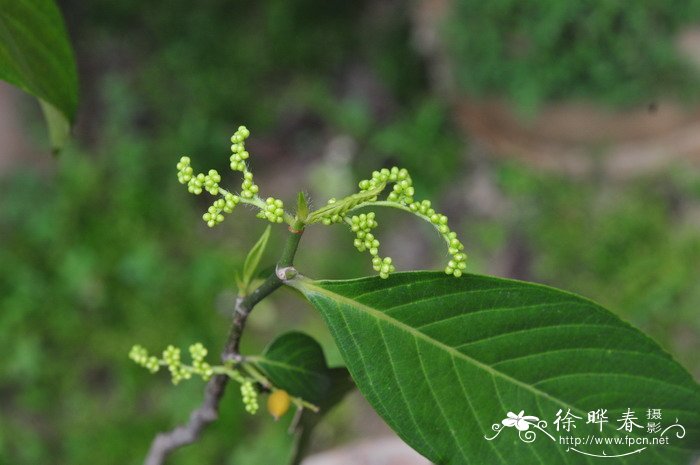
point(36, 56)
point(253, 259)
point(443, 359)
point(59, 126)
point(302, 207)
point(295, 362)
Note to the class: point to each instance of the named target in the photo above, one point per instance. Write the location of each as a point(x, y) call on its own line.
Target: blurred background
point(561, 138)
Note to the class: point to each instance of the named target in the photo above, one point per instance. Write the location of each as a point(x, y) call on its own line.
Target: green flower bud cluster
point(273, 211)
point(336, 210)
point(458, 263)
point(239, 153)
point(362, 226)
point(249, 394)
point(197, 183)
point(184, 171)
point(199, 367)
point(274, 208)
point(211, 182)
point(249, 189)
point(402, 197)
point(250, 397)
point(332, 216)
point(171, 359)
point(140, 355)
point(383, 266)
point(403, 190)
point(214, 215)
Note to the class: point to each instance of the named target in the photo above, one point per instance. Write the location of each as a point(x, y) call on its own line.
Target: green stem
point(290, 248)
point(245, 304)
point(256, 375)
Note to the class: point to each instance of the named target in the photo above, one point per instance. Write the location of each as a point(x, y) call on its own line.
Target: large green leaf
point(443, 360)
point(36, 56)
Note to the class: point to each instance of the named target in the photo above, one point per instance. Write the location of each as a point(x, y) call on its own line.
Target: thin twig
point(165, 443)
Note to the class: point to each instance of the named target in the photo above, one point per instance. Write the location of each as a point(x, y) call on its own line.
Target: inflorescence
point(180, 371)
point(401, 196)
point(250, 379)
point(271, 209)
point(171, 359)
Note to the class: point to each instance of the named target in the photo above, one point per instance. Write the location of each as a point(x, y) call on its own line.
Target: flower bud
point(278, 403)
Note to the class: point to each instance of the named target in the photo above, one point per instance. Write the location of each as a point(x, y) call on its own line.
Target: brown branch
point(165, 443)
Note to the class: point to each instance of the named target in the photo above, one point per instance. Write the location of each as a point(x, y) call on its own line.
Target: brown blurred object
point(13, 143)
point(384, 451)
point(573, 138)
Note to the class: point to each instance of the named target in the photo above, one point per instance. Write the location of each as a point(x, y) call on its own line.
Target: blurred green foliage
point(95, 256)
point(535, 51)
point(290, 70)
point(420, 139)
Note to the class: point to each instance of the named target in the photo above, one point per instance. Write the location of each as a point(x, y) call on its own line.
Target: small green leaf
point(302, 207)
point(36, 56)
point(59, 127)
point(295, 362)
point(253, 260)
point(444, 360)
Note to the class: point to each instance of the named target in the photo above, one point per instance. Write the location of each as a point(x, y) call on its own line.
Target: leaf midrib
point(415, 332)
